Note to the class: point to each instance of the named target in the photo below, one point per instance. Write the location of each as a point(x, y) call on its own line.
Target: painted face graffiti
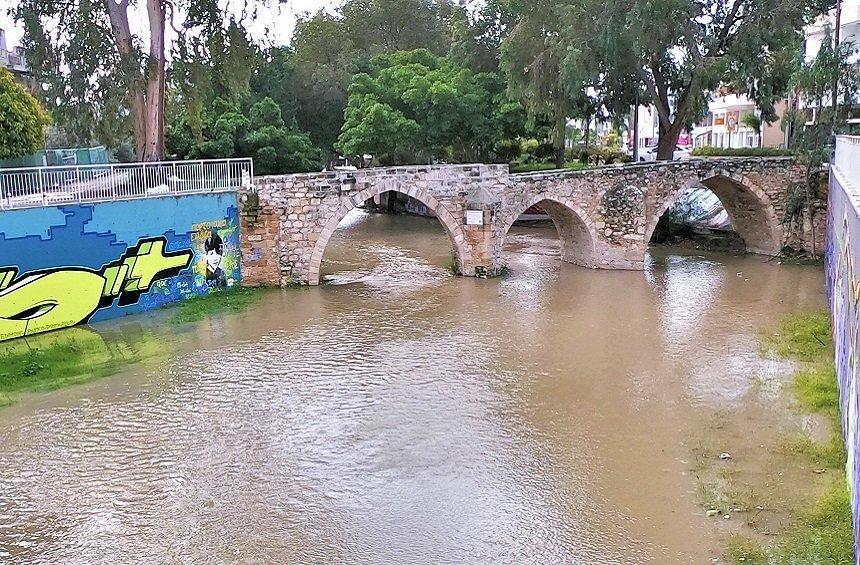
point(46, 300)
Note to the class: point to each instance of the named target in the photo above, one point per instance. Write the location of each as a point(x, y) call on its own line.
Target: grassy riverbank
point(227, 301)
point(68, 357)
point(820, 528)
point(77, 355)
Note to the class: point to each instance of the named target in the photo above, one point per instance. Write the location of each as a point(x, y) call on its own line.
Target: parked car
point(650, 153)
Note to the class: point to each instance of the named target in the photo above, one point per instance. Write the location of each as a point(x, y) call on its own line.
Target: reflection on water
point(402, 415)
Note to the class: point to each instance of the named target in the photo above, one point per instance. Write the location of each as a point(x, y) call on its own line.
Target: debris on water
point(711, 513)
point(725, 456)
point(727, 516)
point(740, 274)
point(819, 471)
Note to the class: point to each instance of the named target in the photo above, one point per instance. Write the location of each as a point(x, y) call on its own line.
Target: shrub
point(708, 151)
point(22, 119)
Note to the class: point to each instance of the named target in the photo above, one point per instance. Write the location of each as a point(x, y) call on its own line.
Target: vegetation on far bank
point(823, 531)
point(709, 151)
point(77, 355)
point(226, 301)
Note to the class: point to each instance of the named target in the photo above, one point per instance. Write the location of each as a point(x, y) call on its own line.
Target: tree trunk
point(668, 140)
point(587, 131)
point(155, 75)
point(145, 91)
point(560, 136)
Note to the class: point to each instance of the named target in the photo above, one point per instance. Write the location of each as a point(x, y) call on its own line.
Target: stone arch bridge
point(605, 217)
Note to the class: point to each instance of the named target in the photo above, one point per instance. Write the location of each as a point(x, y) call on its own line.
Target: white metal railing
point(847, 158)
point(48, 186)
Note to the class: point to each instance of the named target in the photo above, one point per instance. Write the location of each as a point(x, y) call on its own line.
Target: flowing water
point(399, 414)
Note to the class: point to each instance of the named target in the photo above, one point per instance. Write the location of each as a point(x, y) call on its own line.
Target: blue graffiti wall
point(92, 236)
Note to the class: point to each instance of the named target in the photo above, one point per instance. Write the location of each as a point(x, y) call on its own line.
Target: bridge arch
point(452, 227)
point(749, 208)
point(576, 231)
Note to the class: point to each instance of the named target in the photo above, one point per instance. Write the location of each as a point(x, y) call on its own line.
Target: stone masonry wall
point(605, 216)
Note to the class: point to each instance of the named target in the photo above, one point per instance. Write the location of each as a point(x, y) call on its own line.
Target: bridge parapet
point(605, 216)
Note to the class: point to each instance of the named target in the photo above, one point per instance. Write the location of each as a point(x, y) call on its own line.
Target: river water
point(399, 414)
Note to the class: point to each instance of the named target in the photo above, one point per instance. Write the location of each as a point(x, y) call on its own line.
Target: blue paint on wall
point(36, 221)
point(92, 235)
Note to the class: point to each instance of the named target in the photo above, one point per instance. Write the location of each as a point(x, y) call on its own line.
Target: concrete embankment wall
point(843, 283)
point(65, 265)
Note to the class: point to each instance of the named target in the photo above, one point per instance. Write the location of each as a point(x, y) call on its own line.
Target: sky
point(280, 19)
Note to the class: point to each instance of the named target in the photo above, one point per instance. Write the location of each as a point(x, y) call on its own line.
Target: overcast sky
point(280, 19)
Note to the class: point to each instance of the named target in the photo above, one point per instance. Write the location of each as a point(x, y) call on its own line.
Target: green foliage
point(330, 48)
point(22, 120)
point(711, 151)
point(802, 336)
point(531, 167)
point(602, 52)
point(66, 357)
point(260, 133)
point(817, 390)
point(227, 301)
point(824, 531)
point(752, 121)
point(415, 106)
point(815, 80)
point(102, 82)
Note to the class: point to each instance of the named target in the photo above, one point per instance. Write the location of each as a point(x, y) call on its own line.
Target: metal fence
point(48, 186)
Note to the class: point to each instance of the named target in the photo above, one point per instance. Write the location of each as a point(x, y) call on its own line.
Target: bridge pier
point(605, 217)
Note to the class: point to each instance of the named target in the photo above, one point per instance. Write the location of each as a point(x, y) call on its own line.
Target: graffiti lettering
point(64, 297)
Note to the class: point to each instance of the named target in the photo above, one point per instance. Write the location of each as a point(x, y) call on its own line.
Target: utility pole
point(636, 128)
point(836, 31)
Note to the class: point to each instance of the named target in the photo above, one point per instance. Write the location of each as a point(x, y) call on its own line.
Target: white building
point(849, 32)
point(849, 28)
point(724, 125)
point(12, 59)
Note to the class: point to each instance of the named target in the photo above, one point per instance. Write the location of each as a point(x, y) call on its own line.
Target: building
point(724, 126)
point(849, 31)
point(13, 59)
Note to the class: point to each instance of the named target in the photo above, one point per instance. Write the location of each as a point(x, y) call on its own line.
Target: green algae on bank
point(823, 530)
point(227, 301)
point(70, 356)
point(80, 354)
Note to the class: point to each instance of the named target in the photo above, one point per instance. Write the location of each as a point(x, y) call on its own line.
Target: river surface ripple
point(399, 414)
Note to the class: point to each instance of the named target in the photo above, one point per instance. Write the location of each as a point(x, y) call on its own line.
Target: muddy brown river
point(398, 414)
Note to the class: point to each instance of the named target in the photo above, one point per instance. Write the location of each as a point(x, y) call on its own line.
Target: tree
point(104, 81)
point(814, 82)
point(754, 122)
point(260, 133)
point(329, 49)
point(22, 120)
point(532, 57)
point(416, 106)
point(681, 50)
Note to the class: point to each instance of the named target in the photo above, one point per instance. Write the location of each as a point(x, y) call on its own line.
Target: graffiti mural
point(66, 265)
point(60, 298)
point(843, 284)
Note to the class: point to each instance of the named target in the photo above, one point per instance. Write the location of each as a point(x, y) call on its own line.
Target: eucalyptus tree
point(105, 63)
point(532, 54)
point(681, 50)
